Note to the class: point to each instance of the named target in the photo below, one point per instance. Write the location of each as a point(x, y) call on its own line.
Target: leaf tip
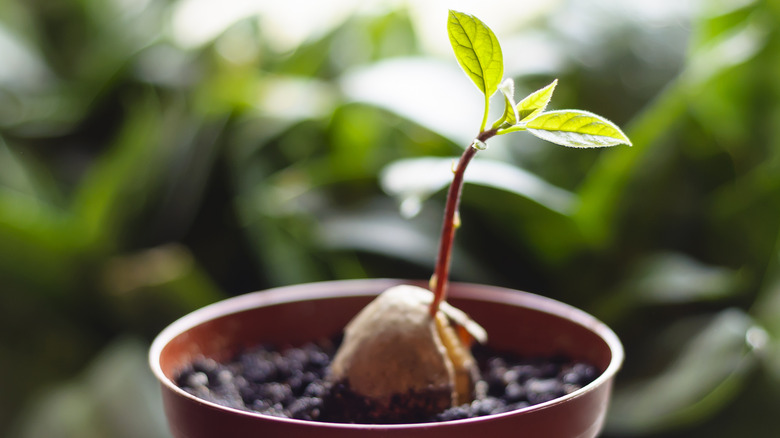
point(452, 13)
point(507, 87)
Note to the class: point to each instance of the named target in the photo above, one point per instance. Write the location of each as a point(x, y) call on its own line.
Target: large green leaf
point(414, 180)
point(446, 113)
point(477, 50)
point(576, 128)
point(675, 278)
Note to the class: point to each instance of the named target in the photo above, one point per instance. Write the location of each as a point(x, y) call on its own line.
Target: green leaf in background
point(535, 103)
point(711, 368)
point(115, 395)
point(414, 180)
point(675, 278)
point(576, 128)
point(439, 77)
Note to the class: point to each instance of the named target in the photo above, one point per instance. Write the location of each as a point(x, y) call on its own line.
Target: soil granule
point(290, 383)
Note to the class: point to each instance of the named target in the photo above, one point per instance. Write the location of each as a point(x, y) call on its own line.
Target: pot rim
point(358, 287)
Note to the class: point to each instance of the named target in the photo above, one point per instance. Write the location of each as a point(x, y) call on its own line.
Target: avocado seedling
point(407, 354)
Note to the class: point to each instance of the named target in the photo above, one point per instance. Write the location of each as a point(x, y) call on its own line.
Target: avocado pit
point(397, 362)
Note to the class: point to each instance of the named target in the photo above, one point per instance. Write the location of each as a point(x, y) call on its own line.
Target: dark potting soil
point(290, 383)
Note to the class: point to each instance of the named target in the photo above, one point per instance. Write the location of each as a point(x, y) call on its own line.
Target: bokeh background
point(159, 155)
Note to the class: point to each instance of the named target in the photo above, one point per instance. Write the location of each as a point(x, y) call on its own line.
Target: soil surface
point(290, 383)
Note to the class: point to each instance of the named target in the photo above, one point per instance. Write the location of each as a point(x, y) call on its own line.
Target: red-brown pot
point(516, 321)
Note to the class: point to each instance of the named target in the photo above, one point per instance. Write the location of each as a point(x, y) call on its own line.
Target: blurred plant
point(144, 172)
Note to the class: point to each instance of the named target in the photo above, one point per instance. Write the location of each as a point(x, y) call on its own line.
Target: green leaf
point(535, 103)
point(477, 50)
point(412, 181)
point(509, 118)
point(675, 278)
point(712, 366)
point(576, 128)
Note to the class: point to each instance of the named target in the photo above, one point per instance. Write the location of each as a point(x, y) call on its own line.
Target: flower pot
point(516, 321)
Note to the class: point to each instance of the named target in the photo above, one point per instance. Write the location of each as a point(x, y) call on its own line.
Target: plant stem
point(442, 270)
point(485, 115)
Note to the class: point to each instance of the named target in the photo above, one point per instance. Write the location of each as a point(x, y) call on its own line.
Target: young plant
point(479, 54)
point(401, 356)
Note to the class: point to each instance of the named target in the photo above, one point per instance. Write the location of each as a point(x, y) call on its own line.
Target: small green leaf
point(535, 103)
point(509, 118)
point(477, 50)
point(576, 128)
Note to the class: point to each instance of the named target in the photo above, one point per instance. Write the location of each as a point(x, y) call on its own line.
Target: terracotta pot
point(516, 321)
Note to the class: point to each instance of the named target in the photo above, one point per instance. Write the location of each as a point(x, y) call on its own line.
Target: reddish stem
point(442, 270)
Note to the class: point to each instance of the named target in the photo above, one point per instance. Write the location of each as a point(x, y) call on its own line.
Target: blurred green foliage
point(145, 173)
